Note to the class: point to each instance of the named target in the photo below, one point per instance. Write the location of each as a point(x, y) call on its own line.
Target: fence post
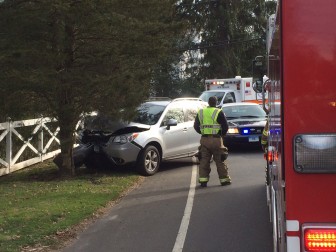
point(9, 144)
point(40, 140)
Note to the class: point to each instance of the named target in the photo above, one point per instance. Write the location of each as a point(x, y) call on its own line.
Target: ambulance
point(237, 89)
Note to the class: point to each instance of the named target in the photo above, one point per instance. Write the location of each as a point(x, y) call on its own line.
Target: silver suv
point(161, 130)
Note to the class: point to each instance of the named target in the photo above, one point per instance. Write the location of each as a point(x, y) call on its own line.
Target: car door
point(190, 111)
point(175, 139)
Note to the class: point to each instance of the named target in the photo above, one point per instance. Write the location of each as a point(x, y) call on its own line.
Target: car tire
point(149, 161)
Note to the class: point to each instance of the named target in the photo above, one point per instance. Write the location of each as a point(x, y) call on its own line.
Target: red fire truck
point(301, 170)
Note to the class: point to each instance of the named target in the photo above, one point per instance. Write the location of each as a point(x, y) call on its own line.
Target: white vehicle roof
point(217, 90)
point(240, 104)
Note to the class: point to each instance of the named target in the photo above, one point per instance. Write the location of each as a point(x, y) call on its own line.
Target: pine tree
point(67, 57)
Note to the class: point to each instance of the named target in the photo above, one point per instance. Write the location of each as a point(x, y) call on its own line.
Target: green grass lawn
point(39, 210)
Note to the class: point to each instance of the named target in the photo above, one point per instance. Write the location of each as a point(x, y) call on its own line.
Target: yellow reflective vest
point(264, 136)
point(208, 121)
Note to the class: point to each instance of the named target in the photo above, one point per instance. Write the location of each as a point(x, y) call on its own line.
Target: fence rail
point(27, 142)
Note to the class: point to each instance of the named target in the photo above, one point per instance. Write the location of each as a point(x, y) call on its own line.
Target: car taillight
point(319, 239)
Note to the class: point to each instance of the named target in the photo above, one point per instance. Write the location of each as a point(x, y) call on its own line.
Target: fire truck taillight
point(320, 239)
point(270, 156)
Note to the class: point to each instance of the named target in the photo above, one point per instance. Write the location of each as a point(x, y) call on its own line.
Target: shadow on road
point(101, 165)
point(245, 148)
point(237, 149)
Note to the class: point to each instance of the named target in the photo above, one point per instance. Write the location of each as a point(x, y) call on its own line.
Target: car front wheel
point(149, 161)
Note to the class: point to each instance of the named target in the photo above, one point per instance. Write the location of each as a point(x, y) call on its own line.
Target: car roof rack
point(187, 99)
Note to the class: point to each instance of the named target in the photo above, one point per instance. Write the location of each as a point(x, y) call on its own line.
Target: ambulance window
point(219, 97)
point(229, 98)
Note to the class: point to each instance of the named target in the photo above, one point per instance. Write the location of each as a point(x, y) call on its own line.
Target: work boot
point(225, 181)
point(204, 184)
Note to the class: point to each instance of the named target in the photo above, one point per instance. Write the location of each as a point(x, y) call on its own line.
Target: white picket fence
point(27, 142)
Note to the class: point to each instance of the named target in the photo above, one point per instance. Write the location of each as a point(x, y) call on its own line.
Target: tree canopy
point(226, 36)
point(65, 57)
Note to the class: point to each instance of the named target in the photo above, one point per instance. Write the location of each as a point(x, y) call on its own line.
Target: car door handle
point(185, 129)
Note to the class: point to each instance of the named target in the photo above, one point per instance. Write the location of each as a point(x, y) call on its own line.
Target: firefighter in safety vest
point(211, 123)
point(264, 137)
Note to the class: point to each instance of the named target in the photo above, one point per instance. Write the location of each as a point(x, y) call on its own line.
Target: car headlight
point(122, 139)
point(233, 131)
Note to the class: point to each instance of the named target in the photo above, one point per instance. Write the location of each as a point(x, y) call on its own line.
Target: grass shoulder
point(42, 211)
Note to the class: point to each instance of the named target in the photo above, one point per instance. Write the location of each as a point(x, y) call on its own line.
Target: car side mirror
point(171, 122)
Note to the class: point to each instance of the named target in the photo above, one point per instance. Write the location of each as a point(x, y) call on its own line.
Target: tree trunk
point(67, 140)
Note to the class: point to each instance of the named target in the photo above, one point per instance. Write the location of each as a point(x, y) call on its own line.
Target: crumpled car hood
point(246, 122)
point(107, 125)
point(101, 133)
point(131, 127)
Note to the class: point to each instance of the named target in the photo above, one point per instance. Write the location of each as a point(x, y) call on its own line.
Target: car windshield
point(244, 111)
point(206, 95)
point(148, 113)
point(103, 123)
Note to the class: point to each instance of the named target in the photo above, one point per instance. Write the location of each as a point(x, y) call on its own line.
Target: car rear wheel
point(149, 161)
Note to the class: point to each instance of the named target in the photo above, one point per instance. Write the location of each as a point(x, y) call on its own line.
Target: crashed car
point(161, 130)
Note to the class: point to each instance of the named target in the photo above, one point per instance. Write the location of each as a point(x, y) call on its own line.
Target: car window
point(229, 98)
point(191, 110)
point(100, 122)
point(173, 113)
point(243, 111)
point(206, 95)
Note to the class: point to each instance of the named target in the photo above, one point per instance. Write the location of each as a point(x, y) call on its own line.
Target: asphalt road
point(170, 212)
